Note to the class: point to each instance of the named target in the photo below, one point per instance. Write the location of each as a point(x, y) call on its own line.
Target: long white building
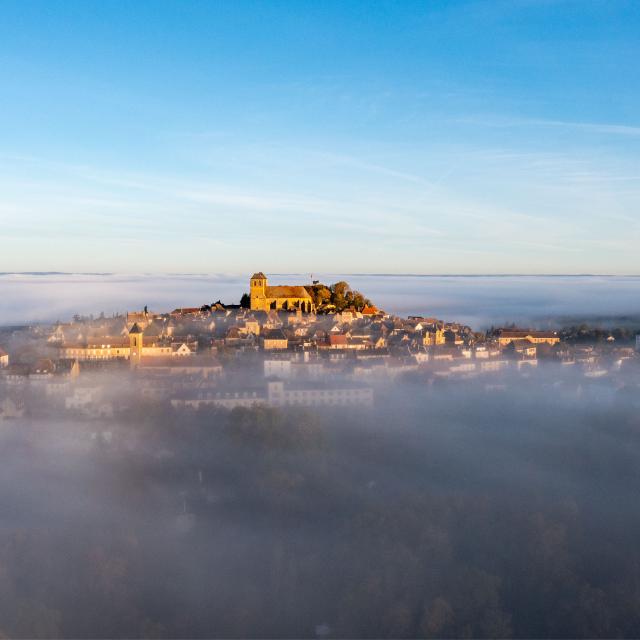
point(278, 393)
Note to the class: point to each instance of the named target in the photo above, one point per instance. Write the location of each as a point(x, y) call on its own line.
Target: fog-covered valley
point(231, 471)
point(445, 510)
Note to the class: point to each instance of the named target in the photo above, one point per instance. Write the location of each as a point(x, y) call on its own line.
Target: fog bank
point(457, 509)
point(478, 301)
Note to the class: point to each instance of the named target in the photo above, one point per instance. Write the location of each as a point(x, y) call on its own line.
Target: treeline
point(448, 517)
point(586, 333)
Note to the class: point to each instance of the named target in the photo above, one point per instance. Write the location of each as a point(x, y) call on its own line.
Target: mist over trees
point(448, 511)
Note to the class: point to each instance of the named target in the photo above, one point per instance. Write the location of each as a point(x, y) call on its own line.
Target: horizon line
point(337, 273)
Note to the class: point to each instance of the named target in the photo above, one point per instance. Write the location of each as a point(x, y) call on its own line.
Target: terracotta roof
point(258, 276)
point(186, 310)
point(287, 292)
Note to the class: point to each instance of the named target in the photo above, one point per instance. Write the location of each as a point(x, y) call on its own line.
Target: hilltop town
point(313, 346)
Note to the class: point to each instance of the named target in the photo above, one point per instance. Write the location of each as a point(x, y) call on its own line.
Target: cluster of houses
point(238, 357)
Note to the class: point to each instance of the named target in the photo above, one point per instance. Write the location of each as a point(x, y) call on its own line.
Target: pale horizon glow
point(479, 301)
point(415, 137)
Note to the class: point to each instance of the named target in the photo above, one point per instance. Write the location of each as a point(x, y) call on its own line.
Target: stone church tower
point(258, 290)
point(135, 345)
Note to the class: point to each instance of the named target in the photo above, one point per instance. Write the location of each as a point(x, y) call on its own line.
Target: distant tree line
point(585, 333)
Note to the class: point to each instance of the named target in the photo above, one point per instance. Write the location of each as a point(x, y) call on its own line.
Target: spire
point(135, 329)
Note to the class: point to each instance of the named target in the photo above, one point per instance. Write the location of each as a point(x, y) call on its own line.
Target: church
point(285, 298)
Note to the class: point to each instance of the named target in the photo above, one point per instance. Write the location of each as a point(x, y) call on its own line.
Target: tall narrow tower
point(135, 345)
point(258, 288)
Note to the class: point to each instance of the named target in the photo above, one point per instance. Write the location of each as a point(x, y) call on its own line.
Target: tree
point(358, 301)
point(339, 294)
point(437, 619)
point(340, 288)
point(245, 301)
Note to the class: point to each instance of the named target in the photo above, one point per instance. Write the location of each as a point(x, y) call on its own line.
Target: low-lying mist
point(449, 510)
point(479, 301)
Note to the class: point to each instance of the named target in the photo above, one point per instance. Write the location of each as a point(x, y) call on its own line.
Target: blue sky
point(422, 137)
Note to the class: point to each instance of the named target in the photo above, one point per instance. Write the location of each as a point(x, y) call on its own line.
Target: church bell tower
point(258, 288)
point(135, 345)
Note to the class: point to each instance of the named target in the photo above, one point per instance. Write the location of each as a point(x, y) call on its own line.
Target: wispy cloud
point(588, 127)
point(502, 207)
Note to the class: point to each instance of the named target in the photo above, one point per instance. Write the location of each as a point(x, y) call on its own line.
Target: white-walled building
point(279, 393)
point(278, 368)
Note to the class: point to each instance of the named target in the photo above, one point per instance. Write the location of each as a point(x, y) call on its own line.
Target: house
point(11, 409)
point(525, 349)
point(88, 400)
point(186, 311)
point(183, 349)
point(249, 326)
point(4, 358)
point(234, 336)
point(273, 339)
point(57, 335)
point(42, 369)
point(451, 336)
point(105, 348)
point(114, 348)
point(277, 368)
point(309, 394)
point(482, 352)
point(141, 318)
point(195, 366)
point(370, 310)
point(279, 393)
point(432, 337)
point(16, 373)
point(338, 341)
point(47, 370)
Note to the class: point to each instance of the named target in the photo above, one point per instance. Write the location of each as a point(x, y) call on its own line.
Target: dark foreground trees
point(513, 517)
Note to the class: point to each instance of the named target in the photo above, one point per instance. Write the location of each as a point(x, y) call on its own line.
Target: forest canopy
point(440, 515)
